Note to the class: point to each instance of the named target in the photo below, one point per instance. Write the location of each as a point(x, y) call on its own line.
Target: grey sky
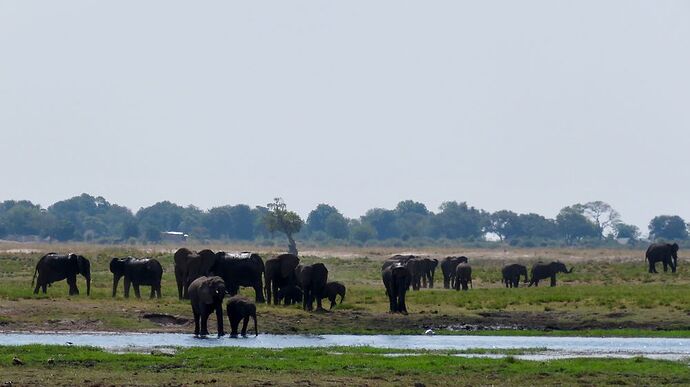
point(528, 106)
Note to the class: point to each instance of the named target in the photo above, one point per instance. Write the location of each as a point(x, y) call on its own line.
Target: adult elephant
point(312, 279)
point(54, 267)
point(206, 296)
point(137, 272)
point(428, 269)
point(190, 265)
point(415, 266)
point(397, 279)
point(542, 270)
point(244, 269)
point(448, 266)
point(279, 273)
point(665, 253)
point(463, 276)
point(511, 274)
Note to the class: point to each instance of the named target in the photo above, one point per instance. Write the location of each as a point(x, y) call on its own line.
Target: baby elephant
point(332, 290)
point(206, 295)
point(290, 295)
point(239, 308)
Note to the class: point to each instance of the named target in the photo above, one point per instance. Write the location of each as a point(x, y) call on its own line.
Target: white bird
point(429, 332)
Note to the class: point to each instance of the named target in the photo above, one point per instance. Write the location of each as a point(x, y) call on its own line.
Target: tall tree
point(279, 218)
point(506, 224)
point(601, 214)
point(458, 220)
point(668, 227)
point(574, 226)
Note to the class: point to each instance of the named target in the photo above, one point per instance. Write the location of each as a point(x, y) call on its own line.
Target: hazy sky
point(521, 105)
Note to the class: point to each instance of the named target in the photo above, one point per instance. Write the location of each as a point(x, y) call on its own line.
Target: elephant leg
point(275, 295)
point(116, 279)
point(219, 319)
point(553, 280)
point(44, 288)
point(197, 317)
point(446, 282)
point(205, 312)
point(158, 290)
point(259, 294)
point(153, 291)
point(72, 282)
point(38, 285)
point(136, 290)
point(244, 326)
point(128, 283)
point(318, 302)
point(234, 324)
point(401, 300)
point(332, 300)
point(665, 266)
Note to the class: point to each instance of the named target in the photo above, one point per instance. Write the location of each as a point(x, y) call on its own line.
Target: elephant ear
point(674, 247)
point(115, 265)
point(288, 265)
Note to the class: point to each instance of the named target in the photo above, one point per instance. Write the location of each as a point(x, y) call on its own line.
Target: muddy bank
point(359, 322)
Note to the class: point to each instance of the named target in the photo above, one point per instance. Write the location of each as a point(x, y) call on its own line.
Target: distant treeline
point(94, 219)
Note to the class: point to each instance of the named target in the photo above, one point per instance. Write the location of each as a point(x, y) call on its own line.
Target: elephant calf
point(206, 295)
point(289, 295)
point(541, 271)
point(241, 308)
point(332, 290)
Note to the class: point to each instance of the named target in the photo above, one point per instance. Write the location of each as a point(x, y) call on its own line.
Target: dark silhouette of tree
point(629, 231)
point(280, 219)
point(574, 226)
point(668, 227)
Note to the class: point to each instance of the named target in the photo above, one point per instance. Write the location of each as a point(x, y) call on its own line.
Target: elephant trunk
point(571, 270)
point(88, 285)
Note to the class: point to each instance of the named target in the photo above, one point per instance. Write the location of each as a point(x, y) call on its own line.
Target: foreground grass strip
point(320, 365)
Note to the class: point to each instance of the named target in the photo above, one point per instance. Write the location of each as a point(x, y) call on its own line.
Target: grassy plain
point(57, 365)
point(609, 293)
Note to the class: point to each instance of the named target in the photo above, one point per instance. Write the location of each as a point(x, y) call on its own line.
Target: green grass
point(339, 365)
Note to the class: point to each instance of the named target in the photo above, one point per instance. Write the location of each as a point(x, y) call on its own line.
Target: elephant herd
point(402, 271)
point(205, 277)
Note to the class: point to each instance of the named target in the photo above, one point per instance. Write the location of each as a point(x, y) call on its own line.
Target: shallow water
point(557, 347)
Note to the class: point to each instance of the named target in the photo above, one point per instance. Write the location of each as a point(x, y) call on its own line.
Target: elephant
point(312, 279)
point(429, 272)
point(206, 295)
point(245, 269)
point(665, 253)
point(53, 267)
point(511, 274)
point(542, 271)
point(137, 272)
point(415, 265)
point(334, 289)
point(463, 276)
point(448, 266)
point(241, 308)
point(290, 295)
point(279, 272)
point(397, 280)
point(190, 265)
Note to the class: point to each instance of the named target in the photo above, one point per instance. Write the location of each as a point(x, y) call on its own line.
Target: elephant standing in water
point(53, 267)
point(448, 266)
point(463, 276)
point(206, 295)
point(665, 253)
point(137, 272)
point(279, 273)
point(241, 308)
point(397, 280)
point(542, 271)
point(312, 279)
point(511, 274)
